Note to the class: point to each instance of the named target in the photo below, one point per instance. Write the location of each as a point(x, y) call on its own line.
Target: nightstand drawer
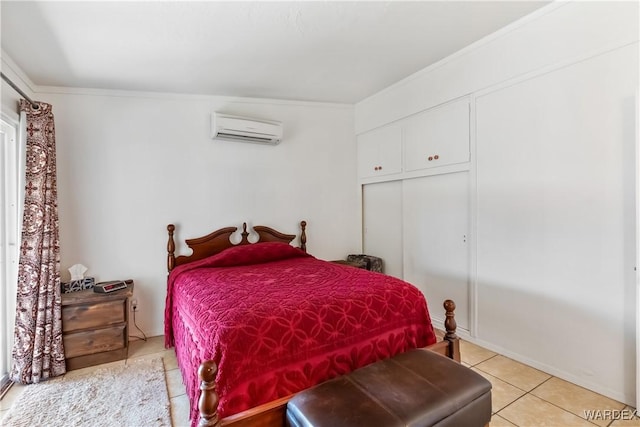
point(95, 326)
point(75, 317)
point(95, 341)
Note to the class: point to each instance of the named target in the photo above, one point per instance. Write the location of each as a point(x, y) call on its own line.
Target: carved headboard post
point(171, 249)
point(244, 234)
point(303, 235)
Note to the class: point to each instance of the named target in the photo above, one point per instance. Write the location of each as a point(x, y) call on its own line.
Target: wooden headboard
point(219, 240)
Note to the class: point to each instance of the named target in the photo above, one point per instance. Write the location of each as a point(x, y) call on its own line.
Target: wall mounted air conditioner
point(245, 129)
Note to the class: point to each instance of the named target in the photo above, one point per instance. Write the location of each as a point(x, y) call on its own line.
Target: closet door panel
point(435, 236)
point(382, 224)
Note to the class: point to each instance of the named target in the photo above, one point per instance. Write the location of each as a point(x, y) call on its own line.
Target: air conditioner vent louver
point(244, 129)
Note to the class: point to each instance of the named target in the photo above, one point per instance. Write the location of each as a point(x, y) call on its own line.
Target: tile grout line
point(502, 416)
point(546, 401)
point(560, 407)
point(530, 393)
point(510, 403)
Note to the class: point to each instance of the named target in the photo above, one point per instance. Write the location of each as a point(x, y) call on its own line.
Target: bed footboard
point(272, 414)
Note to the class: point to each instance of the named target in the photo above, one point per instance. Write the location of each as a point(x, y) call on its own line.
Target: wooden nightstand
point(95, 327)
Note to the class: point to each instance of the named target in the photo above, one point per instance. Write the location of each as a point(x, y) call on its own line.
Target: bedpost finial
point(449, 306)
point(303, 236)
point(450, 321)
point(207, 371)
point(171, 248)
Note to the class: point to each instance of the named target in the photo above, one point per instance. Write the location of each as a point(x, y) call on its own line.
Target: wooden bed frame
point(271, 414)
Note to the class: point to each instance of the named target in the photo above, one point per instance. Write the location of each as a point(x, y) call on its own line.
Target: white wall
point(552, 205)
point(131, 163)
point(555, 218)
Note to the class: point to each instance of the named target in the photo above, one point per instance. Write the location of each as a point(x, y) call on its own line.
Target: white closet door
point(436, 252)
point(382, 221)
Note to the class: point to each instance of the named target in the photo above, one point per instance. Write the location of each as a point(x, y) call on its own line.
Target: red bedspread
point(277, 321)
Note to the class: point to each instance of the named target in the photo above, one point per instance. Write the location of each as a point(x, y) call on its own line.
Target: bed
point(253, 323)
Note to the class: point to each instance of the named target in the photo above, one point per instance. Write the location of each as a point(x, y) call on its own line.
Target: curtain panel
point(38, 351)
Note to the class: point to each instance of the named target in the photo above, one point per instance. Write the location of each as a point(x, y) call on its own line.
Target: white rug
point(131, 395)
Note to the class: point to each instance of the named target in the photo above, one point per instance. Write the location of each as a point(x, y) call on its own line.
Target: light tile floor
point(521, 396)
point(526, 397)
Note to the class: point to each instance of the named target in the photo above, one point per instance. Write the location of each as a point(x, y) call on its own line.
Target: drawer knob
point(436, 157)
point(430, 158)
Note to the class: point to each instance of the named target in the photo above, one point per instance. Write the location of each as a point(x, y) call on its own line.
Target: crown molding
point(184, 96)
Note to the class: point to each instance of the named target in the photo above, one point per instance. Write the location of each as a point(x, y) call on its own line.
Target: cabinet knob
point(379, 168)
point(436, 157)
point(430, 158)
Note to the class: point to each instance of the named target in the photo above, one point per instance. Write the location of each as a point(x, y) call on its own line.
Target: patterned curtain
point(38, 352)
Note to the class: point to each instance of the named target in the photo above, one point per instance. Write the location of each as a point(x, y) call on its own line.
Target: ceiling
point(329, 51)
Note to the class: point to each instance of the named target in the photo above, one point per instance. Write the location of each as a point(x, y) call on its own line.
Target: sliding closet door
point(382, 224)
point(435, 234)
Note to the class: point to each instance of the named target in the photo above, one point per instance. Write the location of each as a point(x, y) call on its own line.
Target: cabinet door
point(382, 221)
point(380, 152)
point(437, 137)
point(435, 235)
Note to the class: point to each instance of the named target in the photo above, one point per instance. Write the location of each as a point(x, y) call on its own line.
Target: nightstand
point(95, 327)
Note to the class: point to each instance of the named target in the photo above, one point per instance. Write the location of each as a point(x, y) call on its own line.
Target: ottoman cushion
point(417, 388)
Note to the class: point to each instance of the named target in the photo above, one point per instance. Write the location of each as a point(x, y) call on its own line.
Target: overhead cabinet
point(433, 138)
point(437, 137)
point(380, 152)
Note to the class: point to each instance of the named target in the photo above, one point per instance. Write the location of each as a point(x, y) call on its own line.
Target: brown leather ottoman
point(417, 388)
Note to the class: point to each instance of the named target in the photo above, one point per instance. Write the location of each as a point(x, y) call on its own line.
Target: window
point(10, 194)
